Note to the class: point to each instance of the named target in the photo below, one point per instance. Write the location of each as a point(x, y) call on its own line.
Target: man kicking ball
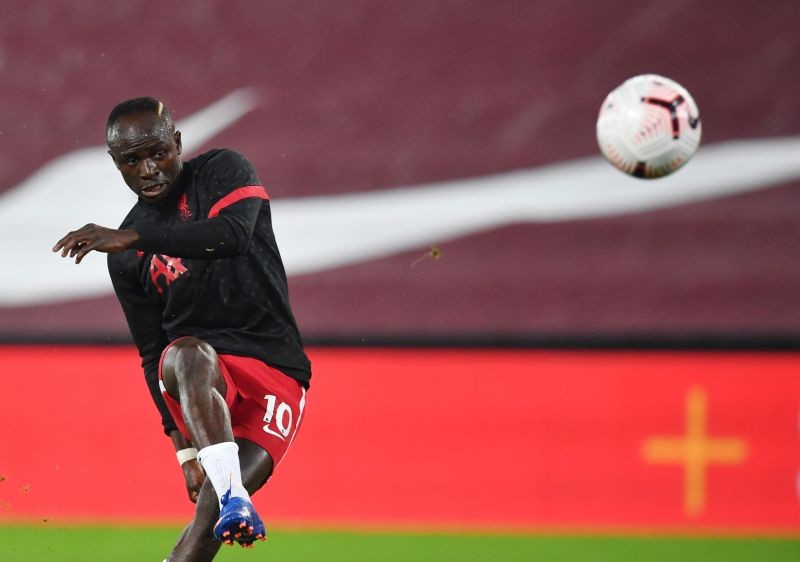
point(197, 271)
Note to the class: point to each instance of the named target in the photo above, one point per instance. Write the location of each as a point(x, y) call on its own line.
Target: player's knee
point(183, 358)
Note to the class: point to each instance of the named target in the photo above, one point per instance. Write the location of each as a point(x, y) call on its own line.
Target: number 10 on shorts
point(277, 421)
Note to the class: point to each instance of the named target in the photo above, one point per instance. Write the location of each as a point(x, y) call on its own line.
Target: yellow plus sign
point(695, 451)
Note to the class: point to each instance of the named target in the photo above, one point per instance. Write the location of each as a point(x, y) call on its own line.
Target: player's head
point(145, 147)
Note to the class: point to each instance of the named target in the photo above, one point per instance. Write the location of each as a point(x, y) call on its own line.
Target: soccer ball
point(649, 126)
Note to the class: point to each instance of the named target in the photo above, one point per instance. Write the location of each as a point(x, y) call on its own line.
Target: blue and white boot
point(238, 521)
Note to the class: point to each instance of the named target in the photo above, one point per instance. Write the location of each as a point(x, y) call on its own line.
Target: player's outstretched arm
point(80, 242)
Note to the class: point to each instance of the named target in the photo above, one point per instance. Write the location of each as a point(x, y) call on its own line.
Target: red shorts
point(266, 405)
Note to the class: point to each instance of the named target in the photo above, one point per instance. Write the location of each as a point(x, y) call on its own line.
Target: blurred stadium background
point(609, 385)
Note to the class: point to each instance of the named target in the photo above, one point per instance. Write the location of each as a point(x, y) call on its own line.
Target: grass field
point(142, 544)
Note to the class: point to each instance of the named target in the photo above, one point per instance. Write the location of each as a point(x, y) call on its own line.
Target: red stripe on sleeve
point(237, 195)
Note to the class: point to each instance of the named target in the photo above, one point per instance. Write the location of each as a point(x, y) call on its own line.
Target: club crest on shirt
point(183, 208)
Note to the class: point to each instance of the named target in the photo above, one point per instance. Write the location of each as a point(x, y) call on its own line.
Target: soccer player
point(197, 271)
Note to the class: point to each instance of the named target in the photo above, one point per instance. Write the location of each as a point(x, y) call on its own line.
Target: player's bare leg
point(197, 542)
point(191, 374)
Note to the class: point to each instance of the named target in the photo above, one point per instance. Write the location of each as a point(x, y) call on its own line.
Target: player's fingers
point(85, 249)
point(82, 253)
point(68, 239)
point(68, 246)
point(63, 242)
point(68, 243)
point(76, 247)
point(80, 243)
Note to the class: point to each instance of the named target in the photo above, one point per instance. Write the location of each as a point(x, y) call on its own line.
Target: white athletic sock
point(221, 463)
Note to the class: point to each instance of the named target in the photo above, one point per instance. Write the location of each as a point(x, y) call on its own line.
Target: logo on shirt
point(183, 208)
point(167, 267)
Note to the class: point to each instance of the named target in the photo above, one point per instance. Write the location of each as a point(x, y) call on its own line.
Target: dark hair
point(138, 105)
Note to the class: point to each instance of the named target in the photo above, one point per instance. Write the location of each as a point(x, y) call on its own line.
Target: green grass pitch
point(36, 543)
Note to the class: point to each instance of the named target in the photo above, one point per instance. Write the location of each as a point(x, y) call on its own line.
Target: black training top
point(207, 266)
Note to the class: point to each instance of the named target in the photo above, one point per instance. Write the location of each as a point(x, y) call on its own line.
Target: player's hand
point(80, 242)
point(194, 475)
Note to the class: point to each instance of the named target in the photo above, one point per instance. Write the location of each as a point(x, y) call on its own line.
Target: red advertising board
point(523, 440)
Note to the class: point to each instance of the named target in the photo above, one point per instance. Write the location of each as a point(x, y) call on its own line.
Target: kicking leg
point(191, 374)
point(197, 542)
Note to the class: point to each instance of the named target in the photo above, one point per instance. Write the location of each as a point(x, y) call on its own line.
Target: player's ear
point(177, 138)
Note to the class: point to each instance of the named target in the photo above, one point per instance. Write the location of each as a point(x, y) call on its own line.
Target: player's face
point(147, 153)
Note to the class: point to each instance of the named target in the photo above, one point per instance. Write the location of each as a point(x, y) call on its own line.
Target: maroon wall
point(365, 96)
